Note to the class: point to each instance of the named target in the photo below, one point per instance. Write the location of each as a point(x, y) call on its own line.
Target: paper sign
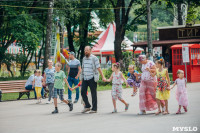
point(185, 53)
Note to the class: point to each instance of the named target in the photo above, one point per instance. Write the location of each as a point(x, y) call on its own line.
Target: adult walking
point(89, 76)
point(147, 90)
point(74, 70)
point(49, 79)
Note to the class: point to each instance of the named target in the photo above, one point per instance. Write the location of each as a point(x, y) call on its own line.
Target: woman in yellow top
point(163, 86)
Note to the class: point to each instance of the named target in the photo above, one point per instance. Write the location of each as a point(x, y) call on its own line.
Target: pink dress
point(181, 92)
point(147, 90)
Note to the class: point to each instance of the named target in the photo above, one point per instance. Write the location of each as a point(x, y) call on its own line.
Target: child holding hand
point(60, 78)
point(117, 80)
point(181, 91)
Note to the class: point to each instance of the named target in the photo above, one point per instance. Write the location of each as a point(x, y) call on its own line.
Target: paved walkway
point(25, 116)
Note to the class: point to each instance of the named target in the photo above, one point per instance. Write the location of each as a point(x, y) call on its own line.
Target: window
point(195, 56)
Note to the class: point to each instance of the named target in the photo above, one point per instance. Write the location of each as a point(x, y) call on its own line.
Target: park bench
point(17, 86)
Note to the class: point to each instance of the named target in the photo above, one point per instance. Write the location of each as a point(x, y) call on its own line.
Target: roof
point(166, 42)
point(178, 26)
point(190, 45)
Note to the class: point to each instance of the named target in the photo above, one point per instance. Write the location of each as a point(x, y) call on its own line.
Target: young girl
point(163, 86)
point(134, 79)
point(117, 80)
point(181, 92)
point(38, 82)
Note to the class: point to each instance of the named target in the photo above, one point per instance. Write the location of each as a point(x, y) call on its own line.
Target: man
point(29, 83)
point(89, 77)
point(74, 70)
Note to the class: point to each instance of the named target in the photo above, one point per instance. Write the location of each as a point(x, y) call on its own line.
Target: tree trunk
point(48, 34)
point(149, 37)
point(70, 37)
point(180, 14)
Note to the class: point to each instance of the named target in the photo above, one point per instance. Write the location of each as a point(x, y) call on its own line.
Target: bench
point(17, 86)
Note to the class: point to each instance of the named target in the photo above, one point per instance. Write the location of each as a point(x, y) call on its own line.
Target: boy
point(59, 88)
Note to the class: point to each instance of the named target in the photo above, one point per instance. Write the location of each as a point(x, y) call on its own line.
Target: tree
point(8, 60)
point(28, 37)
point(122, 11)
point(48, 34)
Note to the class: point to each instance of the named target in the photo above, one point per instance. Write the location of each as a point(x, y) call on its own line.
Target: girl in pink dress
point(117, 80)
point(181, 92)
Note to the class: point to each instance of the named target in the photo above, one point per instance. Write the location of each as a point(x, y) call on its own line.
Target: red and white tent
point(105, 42)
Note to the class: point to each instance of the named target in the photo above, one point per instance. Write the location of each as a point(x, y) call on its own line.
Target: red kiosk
point(193, 67)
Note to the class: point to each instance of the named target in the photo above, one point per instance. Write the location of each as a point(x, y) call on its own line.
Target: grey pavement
point(24, 116)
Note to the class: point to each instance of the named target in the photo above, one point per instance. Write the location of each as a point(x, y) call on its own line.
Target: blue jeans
point(72, 81)
point(29, 87)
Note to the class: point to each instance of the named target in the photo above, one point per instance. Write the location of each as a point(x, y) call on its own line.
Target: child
point(37, 82)
point(181, 92)
point(117, 80)
point(163, 86)
point(59, 87)
point(134, 79)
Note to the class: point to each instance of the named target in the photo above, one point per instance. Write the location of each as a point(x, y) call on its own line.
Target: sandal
point(114, 111)
point(165, 113)
point(178, 112)
point(126, 107)
point(157, 113)
point(185, 108)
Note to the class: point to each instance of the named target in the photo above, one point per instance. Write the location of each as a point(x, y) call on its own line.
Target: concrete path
point(25, 116)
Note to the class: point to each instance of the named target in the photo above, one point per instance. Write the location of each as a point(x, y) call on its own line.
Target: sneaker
point(48, 102)
point(75, 101)
point(55, 111)
point(92, 111)
point(126, 107)
point(85, 110)
point(69, 100)
point(70, 106)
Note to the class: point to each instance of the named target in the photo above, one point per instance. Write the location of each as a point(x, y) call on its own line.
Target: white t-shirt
point(30, 80)
point(38, 81)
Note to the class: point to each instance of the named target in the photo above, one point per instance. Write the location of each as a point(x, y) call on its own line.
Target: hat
point(72, 53)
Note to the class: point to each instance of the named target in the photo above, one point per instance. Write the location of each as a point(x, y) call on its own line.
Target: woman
point(147, 90)
point(49, 78)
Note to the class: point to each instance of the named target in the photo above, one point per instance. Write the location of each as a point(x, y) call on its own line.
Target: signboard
point(185, 53)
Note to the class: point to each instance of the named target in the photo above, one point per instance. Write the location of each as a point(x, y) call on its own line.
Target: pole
point(149, 36)
point(186, 71)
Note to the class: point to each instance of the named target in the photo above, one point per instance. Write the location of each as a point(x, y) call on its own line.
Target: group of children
point(58, 90)
point(117, 78)
point(162, 91)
